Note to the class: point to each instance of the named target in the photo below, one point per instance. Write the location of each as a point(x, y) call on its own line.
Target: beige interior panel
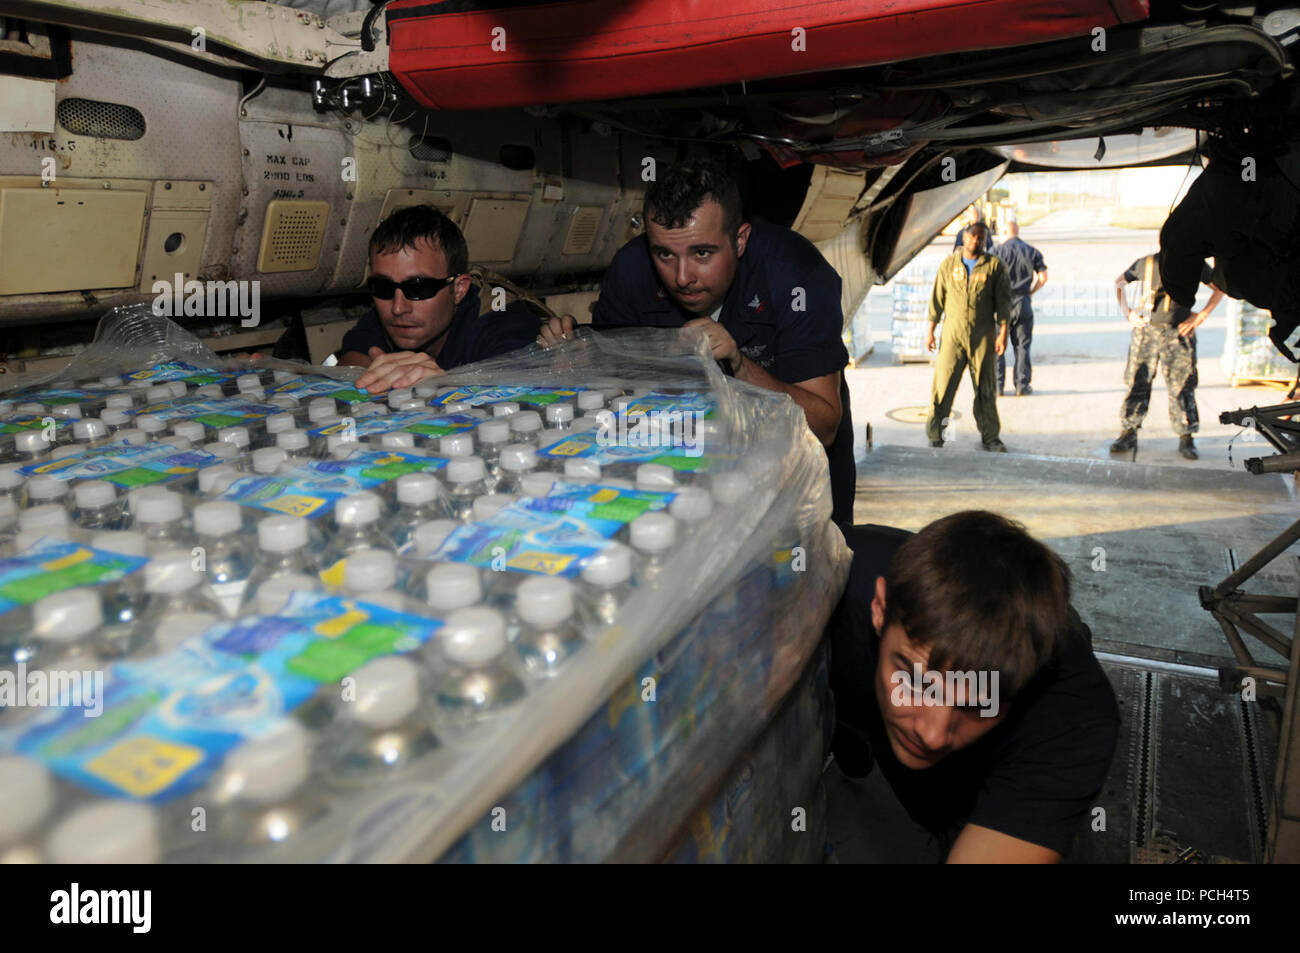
point(492, 228)
point(831, 196)
point(583, 228)
point(173, 244)
point(292, 235)
point(174, 193)
point(404, 198)
point(68, 239)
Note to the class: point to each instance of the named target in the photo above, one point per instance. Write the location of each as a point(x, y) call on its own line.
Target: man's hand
point(721, 343)
point(929, 338)
point(556, 330)
point(1137, 318)
point(1188, 327)
point(399, 369)
point(1000, 345)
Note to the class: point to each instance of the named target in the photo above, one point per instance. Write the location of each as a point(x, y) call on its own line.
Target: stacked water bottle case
point(252, 613)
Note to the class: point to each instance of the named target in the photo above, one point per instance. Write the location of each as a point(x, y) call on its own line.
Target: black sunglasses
point(414, 289)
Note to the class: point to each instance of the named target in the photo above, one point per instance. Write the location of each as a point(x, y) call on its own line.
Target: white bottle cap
point(536, 484)
point(456, 445)
point(114, 418)
point(465, 470)
point(267, 459)
point(612, 566)
point(559, 414)
point(428, 536)
point(691, 505)
point(67, 412)
point(494, 431)
point(49, 518)
point(341, 443)
point(653, 532)
point(399, 394)
point(119, 402)
point(456, 407)
point(544, 600)
point(248, 382)
point(486, 507)
point(157, 394)
point(95, 493)
point(269, 768)
point(10, 478)
point(518, 457)
point(478, 413)
point(89, 429)
point(282, 534)
point(279, 423)
point(473, 636)
point(45, 489)
point(161, 506)
point(29, 409)
point(178, 388)
point(526, 422)
point(148, 423)
point(211, 391)
point(425, 390)
point(171, 572)
point(210, 478)
point(387, 692)
point(318, 408)
point(291, 440)
point(452, 586)
point(221, 449)
point(730, 488)
point(591, 400)
point(31, 441)
point(191, 430)
point(282, 377)
point(122, 542)
point(67, 616)
point(217, 518)
point(107, 832)
point(26, 796)
point(273, 595)
point(369, 571)
point(133, 437)
point(399, 440)
point(234, 435)
point(358, 509)
point(417, 488)
point(654, 476)
point(505, 409)
point(581, 468)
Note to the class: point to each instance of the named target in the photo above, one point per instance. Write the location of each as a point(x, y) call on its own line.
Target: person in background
point(1027, 273)
point(429, 315)
point(973, 217)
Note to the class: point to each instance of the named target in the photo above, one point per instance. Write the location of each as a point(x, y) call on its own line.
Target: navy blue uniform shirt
point(1023, 261)
point(471, 337)
point(759, 312)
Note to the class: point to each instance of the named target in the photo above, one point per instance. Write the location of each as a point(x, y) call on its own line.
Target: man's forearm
point(823, 418)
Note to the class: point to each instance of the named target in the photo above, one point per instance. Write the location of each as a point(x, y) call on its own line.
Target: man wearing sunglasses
point(429, 315)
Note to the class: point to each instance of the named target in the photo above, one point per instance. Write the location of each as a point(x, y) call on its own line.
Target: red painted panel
point(613, 49)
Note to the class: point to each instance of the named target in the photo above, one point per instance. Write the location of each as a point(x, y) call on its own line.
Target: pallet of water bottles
point(250, 612)
point(1249, 357)
point(909, 324)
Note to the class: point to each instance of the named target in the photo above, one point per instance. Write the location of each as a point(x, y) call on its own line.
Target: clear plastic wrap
point(716, 490)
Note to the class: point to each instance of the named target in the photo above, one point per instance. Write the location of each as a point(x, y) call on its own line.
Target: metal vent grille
point(582, 230)
point(430, 148)
point(292, 236)
point(90, 117)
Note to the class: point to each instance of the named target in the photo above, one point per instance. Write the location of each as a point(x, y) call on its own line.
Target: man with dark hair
point(428, 315)
point(767, 300)
point(960, 670)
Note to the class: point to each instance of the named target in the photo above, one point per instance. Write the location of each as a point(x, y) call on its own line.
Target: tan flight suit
point(974, 310)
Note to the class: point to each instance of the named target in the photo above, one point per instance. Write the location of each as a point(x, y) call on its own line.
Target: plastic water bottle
point(8, 525)
point(122, 601)
point(90, 433)
point(516, 460)
point(27, 796)
point(548, 637)
point(266, 808)
point(591, 401)
point(97, 506)
point(419, 500)
point(384, 731)
point(505, 409)
point(456, 445)
point(492, 435)
point(31, 446)
point(160, 515)
point(606, 585)
point(237, 436)
point(487, 506)
point(66, 625)
point(228, 562)
point(282, 541)
point(399, 440)
point(318, 408)
point(224, 451)
point(107, 832)
point(48, 491)
point(526, 426)
point(215, 480)
point(357, 527)
point(176, 606)
point(476, 677)
point(536, 485)
point(191, 430)
point(115, 420)
point(653, 535)
point(267, 461)
point(691, 506)
point(37, 521)
point(296, 446)
point(274, 594)
point(465, 476)
point(427, 538)
point(452, 586)
point(655, 476)
point(559, 416)
point(150, 424)
point(12, 484)
point(581, 470)
point(370, 575)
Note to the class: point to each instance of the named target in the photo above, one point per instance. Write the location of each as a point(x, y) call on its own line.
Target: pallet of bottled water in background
point(1248, 354)
point(912, 291)
point(250, 612)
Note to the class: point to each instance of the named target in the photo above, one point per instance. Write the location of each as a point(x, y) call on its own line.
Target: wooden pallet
point(1275, 383)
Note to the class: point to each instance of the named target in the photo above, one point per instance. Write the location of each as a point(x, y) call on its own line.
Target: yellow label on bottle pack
point(142, 766)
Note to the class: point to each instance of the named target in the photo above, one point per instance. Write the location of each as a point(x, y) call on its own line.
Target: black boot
point(1127, 441)
point(1187, 447)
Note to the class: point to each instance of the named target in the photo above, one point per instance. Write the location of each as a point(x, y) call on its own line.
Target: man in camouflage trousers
point(1164, 333)
point(973, 294)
